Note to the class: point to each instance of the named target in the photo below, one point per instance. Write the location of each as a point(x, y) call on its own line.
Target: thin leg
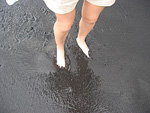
point(61, 30)
point(90, 14)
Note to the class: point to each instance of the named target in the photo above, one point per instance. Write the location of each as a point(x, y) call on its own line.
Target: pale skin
point(90, 14)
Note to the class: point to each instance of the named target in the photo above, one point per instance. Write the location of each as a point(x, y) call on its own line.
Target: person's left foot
point(83, 46)
point(11, 2)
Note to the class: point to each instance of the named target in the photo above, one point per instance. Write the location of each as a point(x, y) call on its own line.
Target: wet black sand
point(116, 80)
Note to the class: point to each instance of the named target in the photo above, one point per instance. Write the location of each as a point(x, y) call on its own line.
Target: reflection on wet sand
point(75, 92)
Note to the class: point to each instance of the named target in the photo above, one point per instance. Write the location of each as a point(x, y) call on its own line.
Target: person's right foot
point(60, 57)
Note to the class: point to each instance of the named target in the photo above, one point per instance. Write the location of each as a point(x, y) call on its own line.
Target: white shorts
point(66, 6)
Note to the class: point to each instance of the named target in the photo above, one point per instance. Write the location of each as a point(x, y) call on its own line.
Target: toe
point(61, 64)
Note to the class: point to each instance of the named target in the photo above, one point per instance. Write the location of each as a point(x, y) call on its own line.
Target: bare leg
point(61, 30)
point(90, 14)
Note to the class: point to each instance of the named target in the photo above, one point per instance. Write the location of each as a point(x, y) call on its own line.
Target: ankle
point(81, 39)
point(60, 48)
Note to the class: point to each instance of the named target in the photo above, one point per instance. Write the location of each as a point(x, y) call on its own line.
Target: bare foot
point(60, 57)
point(11, 2)
point(83, 46)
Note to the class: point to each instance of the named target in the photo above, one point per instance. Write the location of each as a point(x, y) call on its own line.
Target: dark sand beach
point(115, 80)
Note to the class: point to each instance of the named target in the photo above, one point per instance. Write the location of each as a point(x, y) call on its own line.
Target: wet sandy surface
point(116, 80)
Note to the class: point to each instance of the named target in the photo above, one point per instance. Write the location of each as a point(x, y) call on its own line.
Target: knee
point(89, 20)
point(64, 27)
